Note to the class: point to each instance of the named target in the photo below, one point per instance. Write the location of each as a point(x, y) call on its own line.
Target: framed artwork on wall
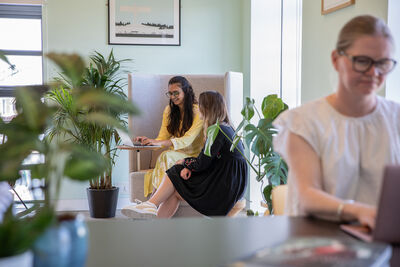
point(328, 6)
point(144, 22)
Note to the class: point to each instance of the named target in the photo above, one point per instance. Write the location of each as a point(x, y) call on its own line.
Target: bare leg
point(164, 191)
point(168, 208)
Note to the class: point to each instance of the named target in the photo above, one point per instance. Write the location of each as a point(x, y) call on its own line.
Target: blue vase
point(79, 241)
point(63, 245)
point(52, 249)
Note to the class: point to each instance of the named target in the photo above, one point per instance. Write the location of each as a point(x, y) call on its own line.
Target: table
point(195, 241)
point(138, 149)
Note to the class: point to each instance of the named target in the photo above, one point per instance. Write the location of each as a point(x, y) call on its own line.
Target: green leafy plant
point(269, 167)
point(93, 125)
point(25, 134)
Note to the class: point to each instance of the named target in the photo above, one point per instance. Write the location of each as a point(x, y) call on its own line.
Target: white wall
point(211, 42)
point(318, 77)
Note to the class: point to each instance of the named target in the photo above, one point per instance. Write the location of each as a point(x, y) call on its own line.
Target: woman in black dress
point(211, 185)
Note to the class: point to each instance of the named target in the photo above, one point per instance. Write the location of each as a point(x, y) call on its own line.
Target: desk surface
point(124, 147)
point(195, 241)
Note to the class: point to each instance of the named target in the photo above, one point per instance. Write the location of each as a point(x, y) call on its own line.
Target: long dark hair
point(175, 114)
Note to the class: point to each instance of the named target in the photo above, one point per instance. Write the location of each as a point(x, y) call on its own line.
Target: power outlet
point(123, 187)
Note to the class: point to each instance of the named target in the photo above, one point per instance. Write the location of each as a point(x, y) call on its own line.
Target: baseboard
point(82, 204)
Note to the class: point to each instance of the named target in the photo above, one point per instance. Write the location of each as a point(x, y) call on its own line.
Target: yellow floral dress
point(188, 145)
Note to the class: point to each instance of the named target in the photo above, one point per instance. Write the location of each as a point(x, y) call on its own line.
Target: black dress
point(217, 182)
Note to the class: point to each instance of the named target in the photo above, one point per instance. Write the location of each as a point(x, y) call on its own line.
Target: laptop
point(127, 141)
point(387, 224)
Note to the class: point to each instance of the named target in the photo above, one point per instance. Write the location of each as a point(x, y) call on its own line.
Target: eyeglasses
point(364, 63)
point(172, 94)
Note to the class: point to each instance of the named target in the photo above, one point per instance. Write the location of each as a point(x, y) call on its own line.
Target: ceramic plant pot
point(64, 244)
point(102, 202)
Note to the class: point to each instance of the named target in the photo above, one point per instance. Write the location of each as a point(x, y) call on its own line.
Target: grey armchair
point(147, 91)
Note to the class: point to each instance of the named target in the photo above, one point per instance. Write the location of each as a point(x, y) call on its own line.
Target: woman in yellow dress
point(181, 130)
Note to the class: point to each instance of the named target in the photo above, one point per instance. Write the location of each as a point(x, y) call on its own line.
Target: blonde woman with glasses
point(211, 185)
point(337, 147)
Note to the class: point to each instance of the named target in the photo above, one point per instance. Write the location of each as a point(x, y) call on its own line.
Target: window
point(21, 42)
point(275, 59)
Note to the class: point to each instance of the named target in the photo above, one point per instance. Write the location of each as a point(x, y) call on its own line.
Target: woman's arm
point(306, 174)
point(203, 162)
point(163, 137)
point(163, 134)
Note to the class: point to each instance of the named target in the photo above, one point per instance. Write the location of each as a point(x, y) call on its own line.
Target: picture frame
point(328, 6)
point(144, 22)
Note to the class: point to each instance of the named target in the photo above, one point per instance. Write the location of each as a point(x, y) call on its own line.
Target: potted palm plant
point(23, 135)
point(86, 126)
point(269, 167)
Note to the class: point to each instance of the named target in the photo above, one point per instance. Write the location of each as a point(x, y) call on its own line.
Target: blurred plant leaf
point(100, 99)
point(84, 164)
point(17, 235)
point(30, 106)
point(71, 65)
point(267, 197)
point(235, 142)
point(248, 109)
point(212, 133)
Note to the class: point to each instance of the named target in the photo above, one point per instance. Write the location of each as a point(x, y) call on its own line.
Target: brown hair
point(362, 25)
point(213, 107)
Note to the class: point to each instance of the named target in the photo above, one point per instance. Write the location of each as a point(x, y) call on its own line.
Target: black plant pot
point(102, 202)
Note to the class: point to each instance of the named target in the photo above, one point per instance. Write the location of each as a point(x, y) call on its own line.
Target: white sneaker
point(144, 210)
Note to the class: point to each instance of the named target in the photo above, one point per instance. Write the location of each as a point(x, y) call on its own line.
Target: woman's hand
point(186, 173)
point(152, 142)
point(364, 213)
point(140, 139)
point(180, 162)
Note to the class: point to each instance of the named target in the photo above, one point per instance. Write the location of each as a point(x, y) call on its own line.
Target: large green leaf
point(271, 107)
point(276, 169)
point(259, 138)
point(212, 133)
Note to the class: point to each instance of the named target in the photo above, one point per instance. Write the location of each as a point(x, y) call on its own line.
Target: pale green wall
point(319, 38)
point(211, 43)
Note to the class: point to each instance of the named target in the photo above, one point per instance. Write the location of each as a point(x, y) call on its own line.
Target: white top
point(353, 151)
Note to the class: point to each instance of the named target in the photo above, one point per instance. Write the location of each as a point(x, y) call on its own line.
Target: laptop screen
point(387, 226)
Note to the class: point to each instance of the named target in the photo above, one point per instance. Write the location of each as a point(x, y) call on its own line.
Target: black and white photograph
point(144, 22)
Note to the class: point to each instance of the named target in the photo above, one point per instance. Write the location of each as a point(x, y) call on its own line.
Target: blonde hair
point(213, 107)
point(361, 26)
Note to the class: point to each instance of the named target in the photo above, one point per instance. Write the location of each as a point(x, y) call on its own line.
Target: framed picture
point(328, 6)
point(144, 22)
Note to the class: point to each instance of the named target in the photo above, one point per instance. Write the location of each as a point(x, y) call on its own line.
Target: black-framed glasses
point(364, 63)
point(172, 94)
